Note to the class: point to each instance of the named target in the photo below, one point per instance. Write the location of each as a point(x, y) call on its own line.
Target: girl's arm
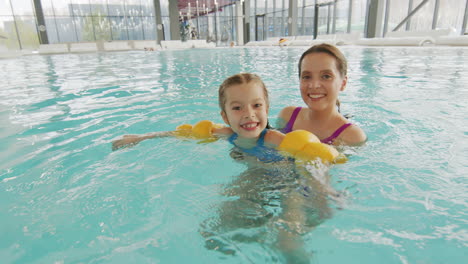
point(274, 137)
point(302, 145)
point(131, 140)
point(202, 130)
point(223, 131)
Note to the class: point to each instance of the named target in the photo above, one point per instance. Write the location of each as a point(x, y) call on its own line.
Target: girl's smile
point(250, 126)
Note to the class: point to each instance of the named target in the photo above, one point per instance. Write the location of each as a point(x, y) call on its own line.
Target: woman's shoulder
point(353, 135)
point(286, 112)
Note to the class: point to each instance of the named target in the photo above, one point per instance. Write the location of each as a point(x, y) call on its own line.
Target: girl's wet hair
point(237, 79)
point(341, 62)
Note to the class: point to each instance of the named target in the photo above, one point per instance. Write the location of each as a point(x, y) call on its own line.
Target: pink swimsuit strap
point(330, 139)
point(292, 119)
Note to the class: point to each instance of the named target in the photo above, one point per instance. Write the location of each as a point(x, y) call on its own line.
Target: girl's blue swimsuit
point(260, 151)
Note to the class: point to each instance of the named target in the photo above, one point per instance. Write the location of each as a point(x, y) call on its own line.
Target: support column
point(465, 19)
point(239, 23)
point(246, 17)
point(375, 18)
point(217, 24)
point(408, 22)
point(159, 24)
point(292, 18)
point(42, 30)
point(316, 15)
point(174, 19)
point(350, 16)
point(436, 14)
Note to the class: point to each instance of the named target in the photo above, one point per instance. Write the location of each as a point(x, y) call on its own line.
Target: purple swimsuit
point(328, 140)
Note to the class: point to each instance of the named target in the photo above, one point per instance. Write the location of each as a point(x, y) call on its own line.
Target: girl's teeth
point(250, 125)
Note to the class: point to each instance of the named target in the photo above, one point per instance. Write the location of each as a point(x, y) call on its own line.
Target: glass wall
point(165, 19)
point(86, 20)
point(76, 21)
point(268, 18)
point(449, 15)
point(227, 21)
point(342, 17)
point(213, 20)
point(358, 15)
point(18, 29)
point(277, 16)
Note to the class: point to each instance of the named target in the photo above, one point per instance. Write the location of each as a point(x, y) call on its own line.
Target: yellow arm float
point(184, 130)
point(201, 130)
point(304, 145)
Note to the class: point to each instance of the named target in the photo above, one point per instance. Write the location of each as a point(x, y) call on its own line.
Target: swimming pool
point(67, 198)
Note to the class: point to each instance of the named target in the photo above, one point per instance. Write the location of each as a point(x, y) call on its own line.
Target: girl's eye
point(305, 77)
point(236, 108)
point(258, 105)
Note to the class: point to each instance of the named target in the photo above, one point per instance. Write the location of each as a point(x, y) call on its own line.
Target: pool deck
point(439, 37)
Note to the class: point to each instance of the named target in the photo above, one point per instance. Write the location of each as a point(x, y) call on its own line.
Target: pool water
point(67, 198)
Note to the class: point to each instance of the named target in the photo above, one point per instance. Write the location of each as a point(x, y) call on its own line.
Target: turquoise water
point(67, 198)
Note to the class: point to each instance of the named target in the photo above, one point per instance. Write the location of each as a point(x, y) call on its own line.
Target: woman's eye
point(236, 108)
point(258, 105)
point(327, 76)
point(305, 77)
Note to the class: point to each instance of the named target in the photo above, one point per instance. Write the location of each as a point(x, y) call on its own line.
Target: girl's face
point(246, 109)
point(320, 81)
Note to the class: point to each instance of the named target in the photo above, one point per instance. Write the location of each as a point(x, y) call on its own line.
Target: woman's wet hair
point(331, 50)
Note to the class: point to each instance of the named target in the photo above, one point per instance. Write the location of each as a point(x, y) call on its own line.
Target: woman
point(323, 75)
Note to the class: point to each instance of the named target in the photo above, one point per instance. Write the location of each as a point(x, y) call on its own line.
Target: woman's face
point(320, 81)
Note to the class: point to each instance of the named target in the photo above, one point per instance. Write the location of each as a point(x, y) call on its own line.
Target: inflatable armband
point(201, 130)
point(184, 130)
point(306, 146)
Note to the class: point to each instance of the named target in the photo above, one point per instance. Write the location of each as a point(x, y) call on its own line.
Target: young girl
point(323, 75)
point(243, 100)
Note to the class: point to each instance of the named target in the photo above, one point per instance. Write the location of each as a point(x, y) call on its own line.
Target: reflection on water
point(274, 204)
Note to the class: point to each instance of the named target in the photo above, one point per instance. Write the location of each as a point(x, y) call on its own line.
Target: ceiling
point(204, 6)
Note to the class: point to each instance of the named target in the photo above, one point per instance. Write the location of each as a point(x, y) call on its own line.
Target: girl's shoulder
point(274, 137)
